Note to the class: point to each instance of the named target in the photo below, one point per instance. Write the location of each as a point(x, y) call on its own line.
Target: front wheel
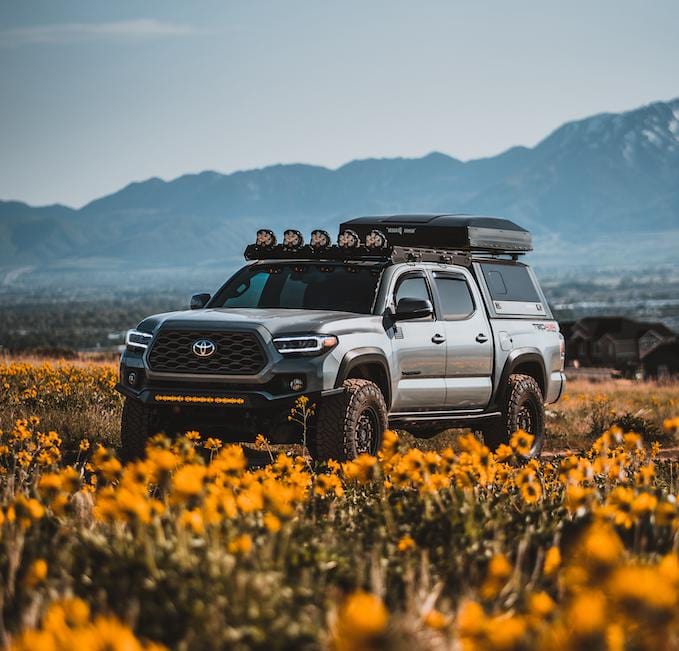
point(523, 408)
point(136, 427)
point(350, 423)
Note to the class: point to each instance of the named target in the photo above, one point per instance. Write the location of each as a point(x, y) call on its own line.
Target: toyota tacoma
point(420, 322)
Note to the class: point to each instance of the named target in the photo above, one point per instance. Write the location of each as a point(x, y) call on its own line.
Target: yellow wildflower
point(361, 619)
point(406, 544)
point(521, 443)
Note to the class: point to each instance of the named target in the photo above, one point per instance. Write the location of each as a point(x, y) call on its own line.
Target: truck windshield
point(308, 286)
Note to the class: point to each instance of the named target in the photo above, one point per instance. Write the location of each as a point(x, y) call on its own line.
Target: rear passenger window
point(456, 299)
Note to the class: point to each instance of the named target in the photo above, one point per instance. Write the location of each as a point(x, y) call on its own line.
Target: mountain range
point(602, 188)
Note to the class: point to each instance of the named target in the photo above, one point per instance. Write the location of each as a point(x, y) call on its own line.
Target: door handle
point(481, 338)
point(438, 339)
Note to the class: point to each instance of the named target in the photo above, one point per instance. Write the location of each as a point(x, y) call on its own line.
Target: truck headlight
point(137, 341)
point(305, 344)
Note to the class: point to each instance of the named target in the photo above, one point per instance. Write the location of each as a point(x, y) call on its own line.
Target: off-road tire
point(340, 418)
point(136, 426)
point(522, 395)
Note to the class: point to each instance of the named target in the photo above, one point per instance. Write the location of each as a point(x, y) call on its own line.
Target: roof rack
point(450, 239)
point(361, 254)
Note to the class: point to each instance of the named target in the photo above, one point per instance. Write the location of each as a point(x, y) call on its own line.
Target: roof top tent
point(460, 232)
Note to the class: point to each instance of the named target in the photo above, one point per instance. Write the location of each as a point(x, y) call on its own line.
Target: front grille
point(236, 353)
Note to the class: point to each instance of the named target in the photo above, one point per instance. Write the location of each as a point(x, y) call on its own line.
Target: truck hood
point(276, 321)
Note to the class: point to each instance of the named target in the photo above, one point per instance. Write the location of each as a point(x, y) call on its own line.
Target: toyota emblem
point(204, 348)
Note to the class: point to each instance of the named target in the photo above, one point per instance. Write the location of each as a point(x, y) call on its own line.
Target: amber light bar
point(216, 400)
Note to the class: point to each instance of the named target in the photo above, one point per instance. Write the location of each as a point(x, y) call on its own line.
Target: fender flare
point(360, 356)
point(515, 358)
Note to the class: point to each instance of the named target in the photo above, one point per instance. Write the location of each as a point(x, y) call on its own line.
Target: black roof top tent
point(459, 232)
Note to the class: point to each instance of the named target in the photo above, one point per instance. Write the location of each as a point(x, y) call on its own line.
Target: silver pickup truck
point(419, 322)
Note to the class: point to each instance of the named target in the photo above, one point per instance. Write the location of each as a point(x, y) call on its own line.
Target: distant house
point(612, 341)
point(662, 361)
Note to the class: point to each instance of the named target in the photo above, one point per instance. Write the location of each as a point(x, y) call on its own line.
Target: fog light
point(132, 378)
point(297, 384)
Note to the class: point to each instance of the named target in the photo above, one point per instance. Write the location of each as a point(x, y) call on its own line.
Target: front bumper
point(216, 397)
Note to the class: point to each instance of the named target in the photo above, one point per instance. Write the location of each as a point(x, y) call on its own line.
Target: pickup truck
point(420, 322)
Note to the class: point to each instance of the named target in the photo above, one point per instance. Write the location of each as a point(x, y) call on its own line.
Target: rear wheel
point(523, 408)
point(136, 426)
point(350, 423)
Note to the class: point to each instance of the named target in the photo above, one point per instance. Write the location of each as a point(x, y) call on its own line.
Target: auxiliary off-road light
point(305, 344)
point(376, 240)
point(265, 239)
point(135, 340)
point(320, 240)
point(296, 384)
point(348, 239)
point(292, 240)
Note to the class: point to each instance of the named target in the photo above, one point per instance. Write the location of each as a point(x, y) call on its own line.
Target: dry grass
point(589, 408)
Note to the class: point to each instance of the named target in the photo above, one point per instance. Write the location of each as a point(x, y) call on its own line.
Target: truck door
point(469, 342)
point(419, 351)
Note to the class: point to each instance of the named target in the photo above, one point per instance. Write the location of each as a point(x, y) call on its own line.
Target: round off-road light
point(297, 384)
point(292, 240)
point(320, 240)
point(376, 240)
point(132, 378)
point(348, 239)
point(265, 239)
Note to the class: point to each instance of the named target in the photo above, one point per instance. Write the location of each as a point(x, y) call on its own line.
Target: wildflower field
point(439, 545)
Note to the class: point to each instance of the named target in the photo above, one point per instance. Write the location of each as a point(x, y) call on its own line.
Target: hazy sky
point(96, 94)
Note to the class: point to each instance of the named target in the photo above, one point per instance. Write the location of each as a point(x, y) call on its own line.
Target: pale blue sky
point(96, 94)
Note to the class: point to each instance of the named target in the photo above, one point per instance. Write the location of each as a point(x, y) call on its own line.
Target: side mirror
point(199, 301)
point(413, 308)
